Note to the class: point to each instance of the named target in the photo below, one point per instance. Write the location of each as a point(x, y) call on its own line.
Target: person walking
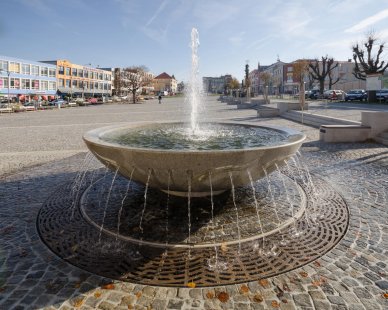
point(160, 99)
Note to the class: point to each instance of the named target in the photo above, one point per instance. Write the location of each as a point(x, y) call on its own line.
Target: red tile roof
point(163, 75)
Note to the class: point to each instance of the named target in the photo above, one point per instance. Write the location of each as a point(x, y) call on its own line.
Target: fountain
point(171, 149)
point(180, 151)
point(204, 204)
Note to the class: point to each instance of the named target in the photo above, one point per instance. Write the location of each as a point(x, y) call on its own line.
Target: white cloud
point(158, 11)
point(212, 13)
point(39, 6)
point(367, 22)
point(238, 39)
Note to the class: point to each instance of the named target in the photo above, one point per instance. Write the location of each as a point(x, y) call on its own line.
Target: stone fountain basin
point(175, 171)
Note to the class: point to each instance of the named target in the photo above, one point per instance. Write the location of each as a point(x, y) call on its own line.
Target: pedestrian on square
point(160, 99)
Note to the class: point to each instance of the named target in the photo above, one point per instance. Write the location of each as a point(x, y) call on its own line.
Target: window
point(100, 76)
point(61, 83)
point(34, 84)
point(75, 83)
point(4, 65)
point(43, 71)
point(80, 73)
point(15, 83)
point(67, 83)
point(26, 69)
point(3, 82)
point(74, 72)
point(26, 83)
point(67, 71)
point(52, 72)
point(289, 69)
point(52, 85)
point(44, 85)
point(14, 67)
point(34, 70)
point(61, 70)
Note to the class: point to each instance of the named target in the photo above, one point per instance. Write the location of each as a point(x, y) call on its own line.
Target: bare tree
point(332, 80)
point(367, 63)
point(233, 84)
point(266, 77)
point(319, 70)
point(133, 78)
point(301, 69)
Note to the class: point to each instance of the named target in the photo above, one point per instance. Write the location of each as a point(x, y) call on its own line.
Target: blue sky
point(156, 33)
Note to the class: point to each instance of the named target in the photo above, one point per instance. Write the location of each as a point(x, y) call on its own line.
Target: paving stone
point(159, 304)
point(356, 307)
point(302, 300)
point(349, 282)
point(370, 304)
point(128, 300)
point(175, 304)
point(322, 305)
point(104, 305)
point(195, 293)
point(382, 284)
point(316, 295)
point(362, 293)
point(337, 300)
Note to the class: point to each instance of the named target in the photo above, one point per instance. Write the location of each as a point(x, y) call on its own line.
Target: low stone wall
point(378, 121)
point(267, 112)
point(284, 106)
point(344, 133)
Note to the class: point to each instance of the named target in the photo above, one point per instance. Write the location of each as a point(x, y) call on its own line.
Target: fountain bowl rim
point(94, 136)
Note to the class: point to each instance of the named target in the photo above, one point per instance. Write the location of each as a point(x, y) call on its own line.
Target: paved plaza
point(40, 151)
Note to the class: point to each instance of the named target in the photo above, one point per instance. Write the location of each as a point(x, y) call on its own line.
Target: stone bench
point(268, 112)
point(288, 106)
point(246, 105)
point(6, 110)
point(344, 133)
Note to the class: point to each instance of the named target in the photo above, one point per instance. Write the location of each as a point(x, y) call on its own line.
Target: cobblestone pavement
point(43, 151)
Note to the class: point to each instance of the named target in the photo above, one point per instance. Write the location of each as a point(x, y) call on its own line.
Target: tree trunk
point(371, 96)
point(321, 86)
point(301, 98)
point(134, 96)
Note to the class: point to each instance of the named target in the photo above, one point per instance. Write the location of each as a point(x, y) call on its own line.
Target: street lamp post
point(8, 73)
point(84, 81)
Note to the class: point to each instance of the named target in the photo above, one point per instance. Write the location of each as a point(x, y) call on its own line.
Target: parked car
point(382, 95)
point(356, 94)
point(334, 94)
point(58, 102)
point(313, 94)
point(30, 106)
point(92, 100)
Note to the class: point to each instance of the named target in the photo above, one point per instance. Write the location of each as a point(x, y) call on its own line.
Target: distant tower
point(278, 58)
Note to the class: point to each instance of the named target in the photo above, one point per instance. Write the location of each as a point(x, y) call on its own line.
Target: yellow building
point(164, 82)
point(82, 81)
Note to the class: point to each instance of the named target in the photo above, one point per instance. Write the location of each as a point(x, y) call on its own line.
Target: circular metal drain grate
point(86, 232)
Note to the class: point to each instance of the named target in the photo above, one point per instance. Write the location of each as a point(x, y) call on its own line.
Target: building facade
point(216, 85)
point(164, 82)
point(25, 80)
point(81, 80)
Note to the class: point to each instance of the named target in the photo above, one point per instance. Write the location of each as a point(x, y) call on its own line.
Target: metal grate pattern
point(66, 224)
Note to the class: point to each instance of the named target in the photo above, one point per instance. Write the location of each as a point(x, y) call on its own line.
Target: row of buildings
point(26, 80)
point(283, 79)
